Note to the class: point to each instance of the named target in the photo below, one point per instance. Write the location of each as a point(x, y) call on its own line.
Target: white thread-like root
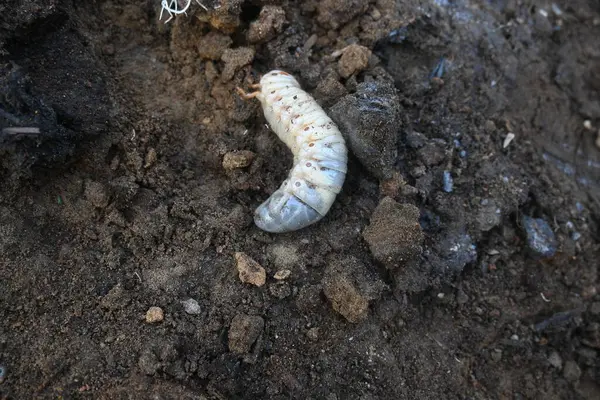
point(172, 8)
point(320, 155)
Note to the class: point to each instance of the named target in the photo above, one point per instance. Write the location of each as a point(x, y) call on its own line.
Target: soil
point(452, 265)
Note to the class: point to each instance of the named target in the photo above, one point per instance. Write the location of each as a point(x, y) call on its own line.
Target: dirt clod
point(235, 59)
point(148, 362)
point(237, 159)
point(394, 234)
point(243, 332)
point(269, 23)
point(249, 270)
point(334, 13)
point(354, 59)
point(350, 286)
point(369, 120)
point(154, 315)
point(223, 15)
point(213, 45)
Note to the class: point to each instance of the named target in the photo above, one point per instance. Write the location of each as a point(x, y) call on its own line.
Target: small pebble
point(587, 124)
point(243, 332)
point(514, 337)
point(354, 59)
point(191, 307)
point(509, 138)
point(150, 158)
point(154, 314)
point(282, 274)
point(448, 182)
point(540, 237)
point(249, 270)
point(237, 159)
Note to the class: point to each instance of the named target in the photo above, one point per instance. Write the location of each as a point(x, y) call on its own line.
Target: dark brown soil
point(122, 202)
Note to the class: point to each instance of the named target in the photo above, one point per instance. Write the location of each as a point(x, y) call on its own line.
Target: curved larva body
point(320, 156)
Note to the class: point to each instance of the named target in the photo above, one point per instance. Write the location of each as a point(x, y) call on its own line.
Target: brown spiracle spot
point(308, 164)
point(298, 184)
point(311, 144)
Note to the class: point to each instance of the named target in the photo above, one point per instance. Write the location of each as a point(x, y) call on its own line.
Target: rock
point(148, 362)
point(355, 59)
point(249, 270)
point(540, 237)
point(191, 307)
point(394, 234)
point(154, 315)
point(237, 159)
point(282, 274)
point(96, 194)
point(150, 158)
point(331, 14)
point(555, 360)
point(350, 286)
point(243, 332)
point(270, 23)
point(235, 59)
point(213, 45)
point(369, 120)
point(571, 371)
point(329, 90)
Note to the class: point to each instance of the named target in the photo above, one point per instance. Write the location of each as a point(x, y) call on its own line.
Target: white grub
point(509, 138)
point(320, 155)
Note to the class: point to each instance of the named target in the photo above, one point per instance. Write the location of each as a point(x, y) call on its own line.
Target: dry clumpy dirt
point(451, 266)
